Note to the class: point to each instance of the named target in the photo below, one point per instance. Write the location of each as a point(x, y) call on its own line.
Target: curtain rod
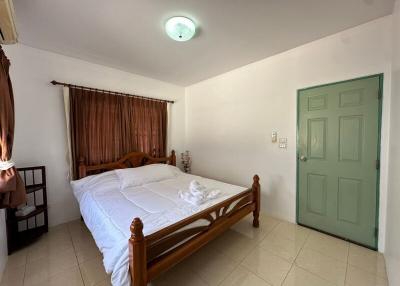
point(53, 82)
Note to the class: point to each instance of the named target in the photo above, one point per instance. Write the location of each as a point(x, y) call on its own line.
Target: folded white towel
point(196, 188)
point(194, 200)
point(198, 194)
point(25, 210)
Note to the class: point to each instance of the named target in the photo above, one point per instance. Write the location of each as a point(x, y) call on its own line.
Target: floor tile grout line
point(256, 245)
point(307, 270)
point(294, 260)
point(23, 279)
point(313, 273)
point(251, 250)
point(327, 255)
point(347, 265)
point(73, 246)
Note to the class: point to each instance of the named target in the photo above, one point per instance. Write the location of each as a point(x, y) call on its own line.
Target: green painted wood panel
point(338, 145)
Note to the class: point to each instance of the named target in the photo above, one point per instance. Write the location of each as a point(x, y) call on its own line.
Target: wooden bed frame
point(153, 254)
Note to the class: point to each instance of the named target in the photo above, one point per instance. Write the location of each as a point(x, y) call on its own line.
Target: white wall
point(392, 250)
point(40, 135)
point(229, 118)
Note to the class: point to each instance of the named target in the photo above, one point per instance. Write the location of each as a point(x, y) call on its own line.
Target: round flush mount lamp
point(180, 29)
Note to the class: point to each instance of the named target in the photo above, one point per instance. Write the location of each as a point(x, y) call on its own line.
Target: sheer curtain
point(12, 189)
point(103, 127)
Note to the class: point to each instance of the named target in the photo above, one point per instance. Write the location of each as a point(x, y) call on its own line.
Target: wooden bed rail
point(130, 160)
point(151, 255)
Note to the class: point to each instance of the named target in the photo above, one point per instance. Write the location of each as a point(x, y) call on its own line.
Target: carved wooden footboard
point(151, 255)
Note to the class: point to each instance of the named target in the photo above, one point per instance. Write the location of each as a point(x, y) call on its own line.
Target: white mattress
point(108, 212)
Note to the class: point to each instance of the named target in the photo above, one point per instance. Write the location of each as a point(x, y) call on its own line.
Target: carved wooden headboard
point(130, 160)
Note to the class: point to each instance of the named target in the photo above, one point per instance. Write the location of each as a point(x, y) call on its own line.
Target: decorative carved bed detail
point(153, 254)
point(130, 160)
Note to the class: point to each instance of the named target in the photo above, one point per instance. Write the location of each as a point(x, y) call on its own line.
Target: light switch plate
point(274, 136)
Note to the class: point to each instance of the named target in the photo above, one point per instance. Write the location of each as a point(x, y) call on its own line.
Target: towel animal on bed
point(198, 193)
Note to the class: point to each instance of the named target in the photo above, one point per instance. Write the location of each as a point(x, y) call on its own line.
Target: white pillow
point(132, 177)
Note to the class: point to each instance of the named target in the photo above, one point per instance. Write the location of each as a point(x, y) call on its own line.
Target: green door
point(338, 142)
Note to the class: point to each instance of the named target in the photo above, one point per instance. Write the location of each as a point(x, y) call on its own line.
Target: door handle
point(303, 158)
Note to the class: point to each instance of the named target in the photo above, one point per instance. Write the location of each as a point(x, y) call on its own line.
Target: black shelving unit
point(23, 230)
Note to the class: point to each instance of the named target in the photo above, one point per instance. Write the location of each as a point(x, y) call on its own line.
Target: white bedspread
point(108, 212)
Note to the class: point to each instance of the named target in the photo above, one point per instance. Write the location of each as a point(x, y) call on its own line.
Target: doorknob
point(303, 158)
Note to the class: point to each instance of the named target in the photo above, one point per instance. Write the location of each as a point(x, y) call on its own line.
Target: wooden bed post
point(256, 191)
point(137, 254)
point(82, 168)
point(173, 158)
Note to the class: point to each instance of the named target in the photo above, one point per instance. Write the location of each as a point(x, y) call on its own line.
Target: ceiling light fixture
point(180, 29)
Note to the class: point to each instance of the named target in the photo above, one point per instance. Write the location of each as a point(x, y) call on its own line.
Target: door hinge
point(378, 164)
point(376, 232)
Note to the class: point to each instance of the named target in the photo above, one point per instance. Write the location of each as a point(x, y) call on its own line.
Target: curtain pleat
point(105, 127)
point(12, 189)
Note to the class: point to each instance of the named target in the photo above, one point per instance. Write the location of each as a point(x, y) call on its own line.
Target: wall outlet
point(283, 143)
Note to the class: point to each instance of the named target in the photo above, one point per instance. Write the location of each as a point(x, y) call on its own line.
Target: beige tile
point(58, 231)
point(368, 260)
point(245, 227)
point(42, 269)
point(76, 224)
point(291, 231)
point(358, 277)
point(267, 265)
point(282, 246)
point(17, 259)
point(88, 253)
point(328, 245)
point(93, 272)
point(300, 277)
point(324, 266)
point(234, 245)
point(70, 277)
point(106, 282)
point(83, 243)
point(48, 248)
point(13, 276)
point(80, 233)
point(211, 266)
point(180, 275)
point(79, 236)
point(243, 277)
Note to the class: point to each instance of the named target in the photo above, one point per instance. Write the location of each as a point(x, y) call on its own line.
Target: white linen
point(132, 177)
point(108, 211)
point(198, 194)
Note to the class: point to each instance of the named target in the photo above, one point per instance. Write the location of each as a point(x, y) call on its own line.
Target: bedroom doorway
point(338, 151)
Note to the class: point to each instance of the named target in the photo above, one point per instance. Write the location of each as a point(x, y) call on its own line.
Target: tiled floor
point(278, 253)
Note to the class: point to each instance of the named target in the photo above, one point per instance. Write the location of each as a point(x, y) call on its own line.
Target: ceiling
point(129, 34)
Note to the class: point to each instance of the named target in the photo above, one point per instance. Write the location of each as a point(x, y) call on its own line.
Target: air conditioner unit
point(8, 33)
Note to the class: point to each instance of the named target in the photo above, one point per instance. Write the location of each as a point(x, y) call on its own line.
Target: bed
point(146, 228)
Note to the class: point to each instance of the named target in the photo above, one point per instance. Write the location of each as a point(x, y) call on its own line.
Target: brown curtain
point(105, 127)
point(12, 189)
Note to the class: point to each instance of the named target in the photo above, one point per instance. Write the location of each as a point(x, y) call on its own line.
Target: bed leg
point(256, 191)
point(137, 254)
